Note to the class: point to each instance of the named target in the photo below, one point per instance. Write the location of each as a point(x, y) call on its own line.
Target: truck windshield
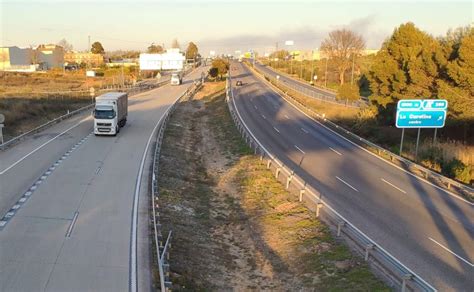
point(104, 114)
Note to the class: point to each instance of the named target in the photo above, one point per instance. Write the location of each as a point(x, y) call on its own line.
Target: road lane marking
point(347, 184)
point(264, 117)
point(304, 130)
point(453, 253)
point(41, 146)
point(71, 226)
point(299, 149)
point(255, 107)
point(287, 117)
point(276, 129)
point(394, 186)
point(335, 151)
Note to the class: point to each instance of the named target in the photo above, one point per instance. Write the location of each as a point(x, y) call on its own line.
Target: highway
point(75, 195)
point(428, 229)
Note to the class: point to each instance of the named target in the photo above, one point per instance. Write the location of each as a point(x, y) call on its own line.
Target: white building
point(17, 59)
point(173, 59)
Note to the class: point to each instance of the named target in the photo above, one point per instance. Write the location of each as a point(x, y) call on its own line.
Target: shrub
point(348, 92)
point(458, 170)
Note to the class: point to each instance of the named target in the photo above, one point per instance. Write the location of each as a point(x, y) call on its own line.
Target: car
point(238, 83)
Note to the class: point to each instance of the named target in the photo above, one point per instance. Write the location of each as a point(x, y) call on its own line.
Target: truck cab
point(110, 113)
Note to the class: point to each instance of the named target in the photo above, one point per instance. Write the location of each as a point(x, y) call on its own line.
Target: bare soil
point(234, 226)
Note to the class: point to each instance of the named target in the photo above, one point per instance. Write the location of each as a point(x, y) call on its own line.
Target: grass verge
point(235, 226)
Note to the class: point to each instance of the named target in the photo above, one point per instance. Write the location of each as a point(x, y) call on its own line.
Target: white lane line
point(347, 184)
point(451, 252)
point(304, 130)
point(299, 149)
point(41, 146)
point(71, 226)
point(394, 186)
point(276, 129)
point(287, 117)
point(255, 107)
point(264, 117)
point(335, 151)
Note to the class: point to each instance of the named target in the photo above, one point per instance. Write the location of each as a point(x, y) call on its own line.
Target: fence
point(413, 168)
point(397, 274)
point(309, 92)
point(132, 90)
point(163, 245)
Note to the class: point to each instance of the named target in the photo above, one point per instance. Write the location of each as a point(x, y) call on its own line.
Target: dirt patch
point(234, 226)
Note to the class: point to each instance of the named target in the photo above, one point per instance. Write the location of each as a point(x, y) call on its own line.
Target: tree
point(155, 49)
point(280, 55)
point(66, 46)
point(97, 48)
point(221, 65)
point(405, 67)
point(456, 82)
point(341, 46)
point(175, 44)
point(192, 51)
point(348, 92)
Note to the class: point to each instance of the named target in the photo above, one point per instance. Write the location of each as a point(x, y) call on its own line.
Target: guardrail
point(132, 90)
point(308, 92)
point(413, 168)
point(162, 246)
point(397, 274)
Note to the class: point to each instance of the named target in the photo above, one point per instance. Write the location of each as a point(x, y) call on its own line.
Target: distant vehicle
point(176, 78)
point(238, 83)
point(110, 113)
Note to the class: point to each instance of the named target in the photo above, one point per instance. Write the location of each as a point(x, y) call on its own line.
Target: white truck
point(176, 78)
point(110, 113)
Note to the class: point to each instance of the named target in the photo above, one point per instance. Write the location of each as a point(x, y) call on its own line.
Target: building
point(17, 59)
point(49, 56)
point(86, 58)
point(172, 59)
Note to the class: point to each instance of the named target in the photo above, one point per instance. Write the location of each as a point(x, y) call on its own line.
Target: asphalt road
point(428, 229)
point(73, 233)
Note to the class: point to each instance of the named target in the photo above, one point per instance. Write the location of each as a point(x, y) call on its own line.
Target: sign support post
point(434, 137)
point(401, 141)
point(417, 142)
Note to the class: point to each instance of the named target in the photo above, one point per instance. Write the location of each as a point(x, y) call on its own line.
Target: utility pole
point(312, 67)
point(352, 74)
point(326, 74)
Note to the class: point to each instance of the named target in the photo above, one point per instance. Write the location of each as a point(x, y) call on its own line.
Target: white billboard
point(150, 61)
point(171, 60)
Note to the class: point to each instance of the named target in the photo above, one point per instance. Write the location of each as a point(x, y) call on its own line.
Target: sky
point(221, 26)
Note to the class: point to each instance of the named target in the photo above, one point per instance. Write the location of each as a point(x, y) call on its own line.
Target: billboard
point(150, 61)
point(421, 113)
point(173, 59)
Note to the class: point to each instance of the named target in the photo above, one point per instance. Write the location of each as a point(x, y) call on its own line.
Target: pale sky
point(223, 26)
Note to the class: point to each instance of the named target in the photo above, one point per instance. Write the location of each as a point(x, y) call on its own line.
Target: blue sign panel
point(419, 113)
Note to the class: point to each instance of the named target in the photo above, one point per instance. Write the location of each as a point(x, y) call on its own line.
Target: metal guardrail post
point(339, 227)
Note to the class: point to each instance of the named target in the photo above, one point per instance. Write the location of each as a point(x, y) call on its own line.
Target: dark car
point(239, 83)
